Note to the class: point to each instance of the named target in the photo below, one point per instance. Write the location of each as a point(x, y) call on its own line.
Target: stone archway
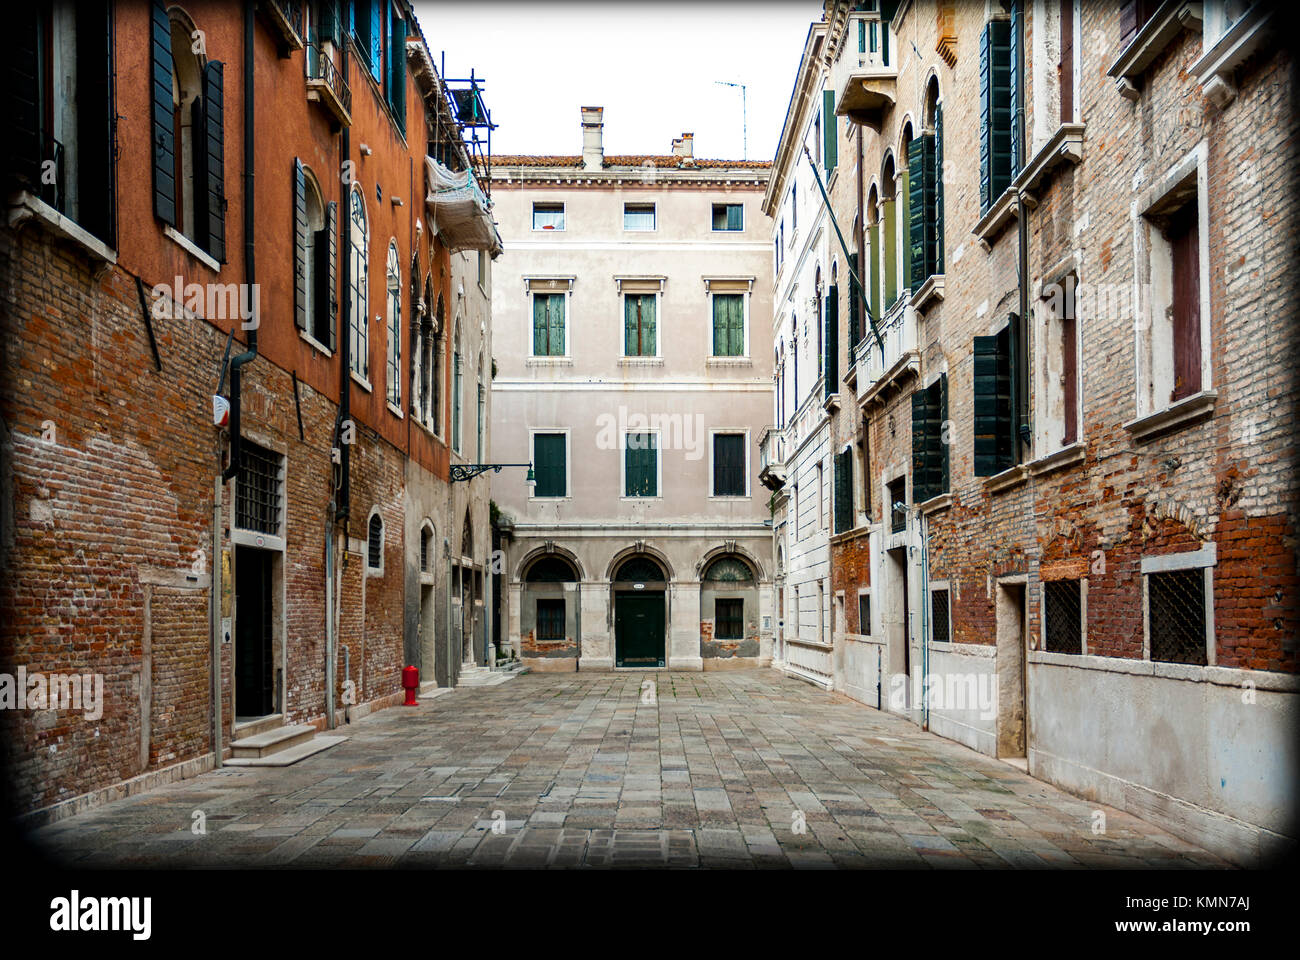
point(639, 590)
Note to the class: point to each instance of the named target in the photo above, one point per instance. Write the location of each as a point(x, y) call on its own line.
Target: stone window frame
point(568, 463)
point(1205, 559)
point(379, 570)
point(932, 587)
point(1083, 613)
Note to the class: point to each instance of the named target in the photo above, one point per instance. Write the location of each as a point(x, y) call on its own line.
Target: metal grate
point(1176, 612)
point(257, 503)
point(1063, 616)
point(375, 544)
point(729, 615)
point(550, 619)
point(941, 631)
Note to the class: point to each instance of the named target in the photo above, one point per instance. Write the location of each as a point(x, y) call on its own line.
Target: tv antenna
point(744, 115)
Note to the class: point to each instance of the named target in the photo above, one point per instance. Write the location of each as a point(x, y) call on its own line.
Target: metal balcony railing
point(291, 12)
point(898, 331)
point(327, 79)
point(863, 74)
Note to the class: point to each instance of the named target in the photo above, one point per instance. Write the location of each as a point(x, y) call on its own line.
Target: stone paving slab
point(731, 769)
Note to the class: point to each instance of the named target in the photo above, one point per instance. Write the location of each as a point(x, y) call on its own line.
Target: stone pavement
point(722, 769)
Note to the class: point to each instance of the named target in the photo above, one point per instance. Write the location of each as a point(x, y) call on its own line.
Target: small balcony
point(771, 449)
point(879, 375)
point(286, 16)
point(865, 77)
point(325, 83)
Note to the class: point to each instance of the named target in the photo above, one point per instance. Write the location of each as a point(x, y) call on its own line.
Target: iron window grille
point(375, 544)
point(729, 615)
point(1177, 615)
point(1062, 613)
point(940, 628)
point(550, 619)
point(258, 492)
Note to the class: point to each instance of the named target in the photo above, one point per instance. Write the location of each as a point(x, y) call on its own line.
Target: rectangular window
point(1065, 66)
point(548, 216)
point(548, 324)
point(940, 628)
point(729, 619)
point(550, 619)
point(929, 451)
point(728, 464)
point(641, 466)
point(1063, 616)
point(550, 465)
point(831, 148)
point(728, 324)
point(922, 225)
point(258, 489)
point(864, 614)
point(1176, 615)
point(821, 496)
point(994, 440)
point(639, 322)
point(1185, 260)
point(996, 112)
point(897, 507)
point(844, 491)
point(728, 216)
point(638, 216)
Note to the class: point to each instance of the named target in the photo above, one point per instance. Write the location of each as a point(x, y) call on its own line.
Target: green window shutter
point(995, 112)
point(904, 195)
point(921, 446)
point(548, 465)
point(397, 71)
point(938, 188)
point(992, 403)
point(555, 324)
point(540, 348)
point(920, 209)
point(210, 165)
point(831, 343)
point(327, 257)
point(855, 310)
point(830, 149)
point(639, 325)
point(631, 346)
point(728, 325)
point(735, 212)
point(640, 465)
point(945, 448)
point(891, 255)
point(736, 323)
point(873, 272)
point(843, 491)
point(1014, 80)
point(299, 245)
point(728, 465)
point(163, 114)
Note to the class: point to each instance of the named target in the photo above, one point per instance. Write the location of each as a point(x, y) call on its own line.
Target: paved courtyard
point(727, 769)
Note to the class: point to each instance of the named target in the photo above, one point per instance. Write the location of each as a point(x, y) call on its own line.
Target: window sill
point(729, 498)
point(1142, 51)
point(995, 221)
point(1214, 70)
point(564, 499)
point(1066, 144)
point(1060, 459)
point(426, 578)
point(640, 361)
point(932, 289)
point(729, 362)
point(26, 206)
point(395, 410)
point(316, 344)
point(936, 504)
point(361, 381)
point(372, 573)
point(192, 248)
point(627, 499)
point(548, 362)
point(1181, 414)
point(1008, 479)
point(832, 403)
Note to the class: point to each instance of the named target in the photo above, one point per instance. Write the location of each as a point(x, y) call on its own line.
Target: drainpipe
point(218, 569)
point(330, 638)
point(344, 493)
point(924, 524)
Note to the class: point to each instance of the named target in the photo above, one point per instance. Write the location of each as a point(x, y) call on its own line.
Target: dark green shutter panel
point(995, 112)
point(210, 166)
point(1014, 79)
point(728, 465)
point(630, 344)
point(299, 245)
point(920, 209)
point(855, 310)
point(548, 463)
point(873, 271)
point(843, 491)
point(992, 403)
point(938, 189)
point(887, 10)
point(163, 115)
point(734, 214)
point(327, 22)
point(328, 300)
point(397, 72)
point(22, 103)
point(921, 452)
point(555, 315)
point(830, 149)
point(376, 40)
point(831, 342)
point(539, 325)
point(945, 442)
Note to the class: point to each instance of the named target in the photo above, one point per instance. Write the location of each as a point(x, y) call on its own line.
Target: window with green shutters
point(728, 324)
point(995, 112)
point(843, 491)
point(938, 188)
point(548, 324)
point(728, 216)
point(929, 451)
point(921, 226)
point(639, 325)
point(830, 150)
point(641, 466)
point(994, 440)
point(728, 464)
point(873, 271)
point(831, 344)
point(550, 466)
point(397, 68)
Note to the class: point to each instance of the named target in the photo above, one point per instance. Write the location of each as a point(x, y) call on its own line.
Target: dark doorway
point(639, 628)
point(254, 671)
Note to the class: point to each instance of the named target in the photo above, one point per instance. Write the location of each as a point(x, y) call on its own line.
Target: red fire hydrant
point(411, 681)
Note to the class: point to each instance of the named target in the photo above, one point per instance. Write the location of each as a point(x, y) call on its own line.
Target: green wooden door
point(639, 629)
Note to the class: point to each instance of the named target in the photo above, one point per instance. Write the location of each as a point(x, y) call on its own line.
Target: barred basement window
point(1063, 616)
point(1176, 616)
point(550, 619)
point(257, 492)
point(375, 547)
point(940, 628)
point(729, 616)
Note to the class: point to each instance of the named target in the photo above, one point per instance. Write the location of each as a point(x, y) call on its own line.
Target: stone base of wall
point(736, 663)
point(552, 664)
point(117, 791)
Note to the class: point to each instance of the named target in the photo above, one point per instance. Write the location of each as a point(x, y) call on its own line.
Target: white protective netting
point(459, 210)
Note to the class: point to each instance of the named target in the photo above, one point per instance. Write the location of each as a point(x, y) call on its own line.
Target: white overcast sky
point(651, 65)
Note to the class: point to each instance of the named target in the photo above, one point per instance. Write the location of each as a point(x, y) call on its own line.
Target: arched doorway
point(640, 595)
point(729, 599)
point(549, 609)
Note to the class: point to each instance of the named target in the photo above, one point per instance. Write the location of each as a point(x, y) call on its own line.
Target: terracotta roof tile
point(628, 160)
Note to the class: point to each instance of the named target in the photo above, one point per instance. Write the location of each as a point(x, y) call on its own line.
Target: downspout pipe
point(250, 259)
point(344, 494)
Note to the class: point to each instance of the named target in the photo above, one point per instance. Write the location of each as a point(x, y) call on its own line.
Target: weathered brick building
point(1063, 466)
point(247, 208)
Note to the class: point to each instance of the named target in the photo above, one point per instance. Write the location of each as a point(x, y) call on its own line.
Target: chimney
point(593, 137)
point(684, 146)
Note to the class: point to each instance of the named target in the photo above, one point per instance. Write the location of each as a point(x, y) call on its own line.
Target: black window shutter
point(95, 120)
point(327, 303)
point(163, 111)
point(23, 99)
point(831, 343)
point(728, 465)
point(210, 162)
point(1014, 82)
point(922, 449)
point(397, 72)
point(938, 188)
point(942, 439)
point(299, 245)
point(992, 403)
point(920, 208)
point(995, 112)
point(843, 491)
point(855, 309)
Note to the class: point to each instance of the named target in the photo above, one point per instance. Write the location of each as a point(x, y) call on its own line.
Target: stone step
point(430, 689)
point(271, 741)
point(251, 728)
point(288, 756)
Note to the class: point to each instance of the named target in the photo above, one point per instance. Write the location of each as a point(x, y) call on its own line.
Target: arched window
point(315, 223)
point(729, 570)
point(639, 569)
point(359, 274)
point(467, 538)
point(457, 376)
point(439, 335)
point(551, 569)
point(889, 229)
point(375, 543)
point(426, 547)
point(394, 326)
point(187, 118)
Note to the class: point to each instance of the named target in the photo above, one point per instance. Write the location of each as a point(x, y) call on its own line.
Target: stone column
point(597, 644)
point(684, 626)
